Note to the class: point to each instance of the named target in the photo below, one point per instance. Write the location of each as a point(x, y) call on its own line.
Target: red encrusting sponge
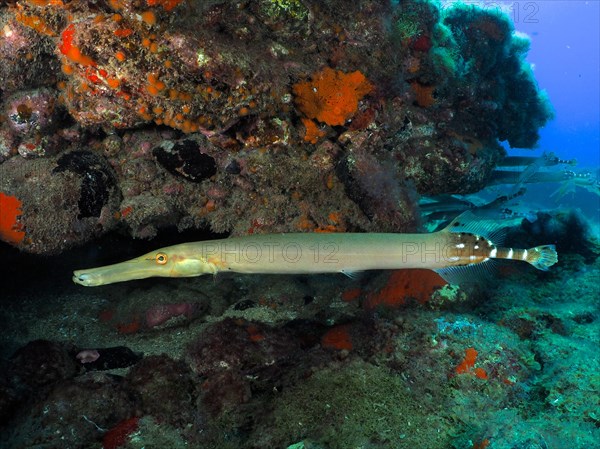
point(11, 230)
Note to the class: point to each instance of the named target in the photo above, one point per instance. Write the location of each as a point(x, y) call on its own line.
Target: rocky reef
point(125, 120)
point(389, 360)
point(249, 117)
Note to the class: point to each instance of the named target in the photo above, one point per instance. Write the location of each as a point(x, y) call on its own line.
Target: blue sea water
point(565, 58)
point(565, 48)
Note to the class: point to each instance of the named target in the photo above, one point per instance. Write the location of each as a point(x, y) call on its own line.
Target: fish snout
point(86, 279)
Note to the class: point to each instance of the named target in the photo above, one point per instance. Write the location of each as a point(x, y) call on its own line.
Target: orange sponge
point(331, 96)
point(168, 5)
point(403, 284)
point(11, 230)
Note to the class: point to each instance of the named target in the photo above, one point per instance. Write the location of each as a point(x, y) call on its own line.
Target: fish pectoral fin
point(352, 274)
point(468, 274)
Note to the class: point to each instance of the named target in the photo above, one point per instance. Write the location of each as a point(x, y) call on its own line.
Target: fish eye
point(161, 258)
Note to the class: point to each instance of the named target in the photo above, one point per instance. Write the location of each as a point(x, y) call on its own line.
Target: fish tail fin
point(542, 257)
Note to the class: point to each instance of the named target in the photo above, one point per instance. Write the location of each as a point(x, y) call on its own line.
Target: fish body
point(447, 252)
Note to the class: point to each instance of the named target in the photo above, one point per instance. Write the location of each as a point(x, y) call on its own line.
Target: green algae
point(152, 435)
point(357, 405)
point(407, 27)
point(282, 9)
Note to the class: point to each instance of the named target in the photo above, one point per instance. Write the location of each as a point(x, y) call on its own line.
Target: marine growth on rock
point(264, 116)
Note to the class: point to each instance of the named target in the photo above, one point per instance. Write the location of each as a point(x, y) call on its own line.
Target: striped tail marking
point(541, 257)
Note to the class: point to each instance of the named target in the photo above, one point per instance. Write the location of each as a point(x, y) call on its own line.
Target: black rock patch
point(186, 160)
point(96, 180)
point(233, 168)
point(115, 357)
point(353, 188)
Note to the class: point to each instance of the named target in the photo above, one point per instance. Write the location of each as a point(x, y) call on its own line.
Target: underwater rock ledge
point(250, 117)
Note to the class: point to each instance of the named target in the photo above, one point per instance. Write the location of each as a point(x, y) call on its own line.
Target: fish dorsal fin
point(470, 223)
